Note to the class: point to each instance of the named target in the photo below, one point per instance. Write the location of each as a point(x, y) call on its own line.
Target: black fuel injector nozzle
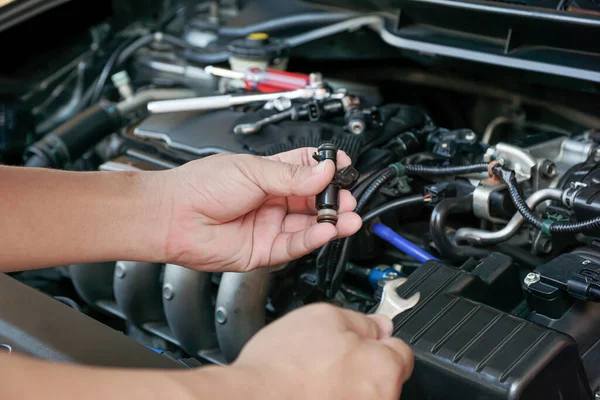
point(327, 202)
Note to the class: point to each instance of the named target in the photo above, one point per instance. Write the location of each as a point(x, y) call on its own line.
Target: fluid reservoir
point(258, 50)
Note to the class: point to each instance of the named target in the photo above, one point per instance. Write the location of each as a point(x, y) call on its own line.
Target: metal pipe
point(220, 102)
point(140, 99)
point(482, 237)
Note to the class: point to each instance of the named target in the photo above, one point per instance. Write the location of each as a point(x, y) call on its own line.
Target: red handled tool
point(264, 81)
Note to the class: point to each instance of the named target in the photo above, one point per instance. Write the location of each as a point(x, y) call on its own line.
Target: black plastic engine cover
point(465, 349)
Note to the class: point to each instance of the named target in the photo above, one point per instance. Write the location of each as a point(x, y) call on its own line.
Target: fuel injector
point(327, 202)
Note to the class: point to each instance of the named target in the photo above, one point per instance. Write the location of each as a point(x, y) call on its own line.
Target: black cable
point(338, 258)
point(133, 47)
point(437, 228)
point(338, 274)
point(333, 256)
point(384, 177)
point(108, 67)
point(329, 253)
point(392, 206)
point(415, 169)
point(530, 216)
point(126, 50)
point(340, 249)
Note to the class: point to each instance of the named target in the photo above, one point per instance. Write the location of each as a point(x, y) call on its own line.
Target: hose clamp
point(568, 195)
point(399, 168)
point(546, 227)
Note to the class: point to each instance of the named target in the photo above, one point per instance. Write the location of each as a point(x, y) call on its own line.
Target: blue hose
point(402, 244)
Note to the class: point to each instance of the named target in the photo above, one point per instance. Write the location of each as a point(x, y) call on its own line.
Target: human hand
point(324, 352)
point(240, 212)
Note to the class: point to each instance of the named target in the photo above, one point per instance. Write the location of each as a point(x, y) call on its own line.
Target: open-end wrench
point(391, 303)
point(254, 127)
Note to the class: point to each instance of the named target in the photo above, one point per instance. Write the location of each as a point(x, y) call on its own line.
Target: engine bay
point(478, 184)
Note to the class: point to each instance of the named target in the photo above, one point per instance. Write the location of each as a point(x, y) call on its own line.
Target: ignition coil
point(327, 202)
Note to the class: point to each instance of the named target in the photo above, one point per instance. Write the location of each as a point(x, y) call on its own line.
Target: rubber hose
point(328, 255)
point(391, 206)
point(437, 227)
point(530, 216)
point(108, 68)
point(336, 279)
point(387, 175)
point(286, 22)
point(415, 169)
point(338, 255)
point(401, 243)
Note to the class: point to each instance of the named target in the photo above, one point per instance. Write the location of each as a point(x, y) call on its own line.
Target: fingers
point(347, 225)
point(304, 156)
point(404, 356)
point(292, 245)
point(385, 324)
point(364, 326)
point(284, 179)
point(303, 205)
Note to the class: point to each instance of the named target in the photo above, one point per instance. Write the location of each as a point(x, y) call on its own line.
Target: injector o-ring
point(327, 202)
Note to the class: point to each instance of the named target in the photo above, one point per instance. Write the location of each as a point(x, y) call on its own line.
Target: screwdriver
point(265, 81)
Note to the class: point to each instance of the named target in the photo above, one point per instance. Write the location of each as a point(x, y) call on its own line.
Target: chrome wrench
point(391, 304)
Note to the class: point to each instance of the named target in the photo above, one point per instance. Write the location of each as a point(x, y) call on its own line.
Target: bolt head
point(532, 278)
point(548, 169)
point(282, 103)
point(470, 136)
point(221, 315)
point(168, 291)
point(120, 270)
point(391, 276)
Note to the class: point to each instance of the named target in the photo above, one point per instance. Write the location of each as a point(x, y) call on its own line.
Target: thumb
point(283, 179)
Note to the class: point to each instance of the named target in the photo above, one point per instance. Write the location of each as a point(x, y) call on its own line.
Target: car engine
point(477, 181)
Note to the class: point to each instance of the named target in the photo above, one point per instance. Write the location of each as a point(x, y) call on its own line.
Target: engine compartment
point(481, 189)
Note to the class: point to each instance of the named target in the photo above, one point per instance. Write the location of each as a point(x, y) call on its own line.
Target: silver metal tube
point(188, 71)
point(220, 102)
point(483, 237)
point(140, 99)
point(224, 73)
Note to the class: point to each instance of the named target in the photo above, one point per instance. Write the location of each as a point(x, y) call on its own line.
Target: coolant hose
point(73, 138)
point(411, 249)
point(437, 227)
point(546, 226)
